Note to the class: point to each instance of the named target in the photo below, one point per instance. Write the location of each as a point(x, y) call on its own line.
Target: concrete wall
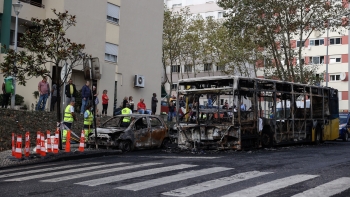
point(140, 49)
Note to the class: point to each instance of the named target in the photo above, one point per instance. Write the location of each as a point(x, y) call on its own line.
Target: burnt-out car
point(144, 131)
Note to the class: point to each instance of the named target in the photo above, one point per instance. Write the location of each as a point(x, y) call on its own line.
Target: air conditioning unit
point(139, 81)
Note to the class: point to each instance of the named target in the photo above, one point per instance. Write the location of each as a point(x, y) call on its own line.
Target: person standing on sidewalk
point(85, 96)
point(88, 120)
point(104, 102)
point(69, 118)
point(71, 91)
point(154, 103)
point(54, 96)
point(5, 96)
point(44, 90)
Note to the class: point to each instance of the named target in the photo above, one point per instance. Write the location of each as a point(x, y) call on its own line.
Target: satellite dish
point(342, 76)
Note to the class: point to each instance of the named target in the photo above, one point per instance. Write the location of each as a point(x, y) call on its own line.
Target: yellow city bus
point(233, 112)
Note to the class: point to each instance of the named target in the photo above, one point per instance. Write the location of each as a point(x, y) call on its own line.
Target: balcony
point(37, 3)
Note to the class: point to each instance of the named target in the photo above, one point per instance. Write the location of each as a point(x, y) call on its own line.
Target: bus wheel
point(346, 136)
point(266, 138)
point(318, 137)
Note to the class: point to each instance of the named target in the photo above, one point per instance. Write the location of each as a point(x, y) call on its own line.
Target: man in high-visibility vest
point(126, 119)
point(69, 118)
point(88, 119)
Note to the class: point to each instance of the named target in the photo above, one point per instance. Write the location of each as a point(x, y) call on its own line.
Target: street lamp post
point(17, 8)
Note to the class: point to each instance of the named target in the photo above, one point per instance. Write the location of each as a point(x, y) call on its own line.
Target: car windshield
point(342, 118)
point(113, 122)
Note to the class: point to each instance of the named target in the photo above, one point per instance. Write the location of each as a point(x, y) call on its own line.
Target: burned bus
point(233, 112)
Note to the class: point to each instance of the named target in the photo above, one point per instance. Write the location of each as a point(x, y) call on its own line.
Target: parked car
point(144, 131)
point(343, 126)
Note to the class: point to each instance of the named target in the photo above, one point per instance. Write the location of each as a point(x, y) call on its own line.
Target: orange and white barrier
point(18, 153)
point(38, 143)
point(42, 147)
point(55, 142)
point(67, 149)
point(27, 144)
point(48, 142)
point(82, 141)
point(13, 145)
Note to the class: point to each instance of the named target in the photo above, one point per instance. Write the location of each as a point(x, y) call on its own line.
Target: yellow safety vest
point(126, 111)
point(88, 120)
point(68, 115)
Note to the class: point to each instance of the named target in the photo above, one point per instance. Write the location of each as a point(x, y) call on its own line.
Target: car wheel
point(346, 136)
point(166, 143)
point(126, 146)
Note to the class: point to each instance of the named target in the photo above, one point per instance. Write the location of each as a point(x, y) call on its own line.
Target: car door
point(158, 131)
point(142, 133)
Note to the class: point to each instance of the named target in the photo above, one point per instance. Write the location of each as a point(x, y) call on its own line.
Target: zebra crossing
point(134, 173)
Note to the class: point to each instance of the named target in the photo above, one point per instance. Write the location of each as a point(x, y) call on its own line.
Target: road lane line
point(327, 189)
point(28, 167)
point(172, 178)
point(75, 176)
point(175, 157)
point(271, 186)
point(64, 172)
point(131, 175)
point(214, 184)
point(46, 169)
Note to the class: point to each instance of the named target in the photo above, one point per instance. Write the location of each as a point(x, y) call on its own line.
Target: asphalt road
point(307, 170)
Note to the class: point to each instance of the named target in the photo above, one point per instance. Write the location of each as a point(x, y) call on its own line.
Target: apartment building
point(126, 36)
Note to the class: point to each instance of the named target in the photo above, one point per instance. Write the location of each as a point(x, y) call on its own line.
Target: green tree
point(273, 24)
point(45, 44)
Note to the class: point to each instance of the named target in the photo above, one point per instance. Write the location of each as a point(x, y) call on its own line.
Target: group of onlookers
point(141, 108)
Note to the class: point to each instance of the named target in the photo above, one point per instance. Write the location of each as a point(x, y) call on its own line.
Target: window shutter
point(111, 49)
point(113, 10)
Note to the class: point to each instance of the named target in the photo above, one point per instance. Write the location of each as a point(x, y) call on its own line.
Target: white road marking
point(64, 172)
point(75, 176)
point(271, 186)
point(28, 167)
point(172, 178)
point(213, 184)
point(174, 157)
point(46, 169)
point(131, 175)
point(327, 189)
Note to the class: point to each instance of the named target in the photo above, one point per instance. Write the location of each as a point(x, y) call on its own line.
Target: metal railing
point(34, 3)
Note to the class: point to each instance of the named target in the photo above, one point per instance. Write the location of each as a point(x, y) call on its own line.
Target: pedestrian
point(131, 102)
point(172, 112)
point(54, 95)
point(104, 102)
point(5, 96)
point(70, 91)
point(243, 107)
point(141, 107)
point(182, 102)
point(125, 101)
point(88, 120)
point(126, 119)
point(69, 118)
point(44, 91)
point(85, 95)
point(154, 103)
point(95, 99)
point(210, 102)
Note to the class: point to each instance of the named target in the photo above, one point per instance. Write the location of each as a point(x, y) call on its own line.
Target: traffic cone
point(82, 141)
point(67, 149)
point(13, 145)
point(18, 153)
point(48, 141)
point(42, 147)
point(55, 142)
point(27, 145)
point(38, 142)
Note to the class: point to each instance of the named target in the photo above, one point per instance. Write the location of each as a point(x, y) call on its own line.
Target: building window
point(188, 68)
point(316, 60)
point(175, 68)
point(113, 13)
point(333, 41)
point(335, 59)
point(334, 77)
point(317, 42)
point(207, 67)
point(111, 52)
point(220, 68)
point(302, 43)
point(174, 86)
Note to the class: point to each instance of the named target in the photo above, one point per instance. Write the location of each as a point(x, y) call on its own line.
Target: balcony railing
point(34, 3)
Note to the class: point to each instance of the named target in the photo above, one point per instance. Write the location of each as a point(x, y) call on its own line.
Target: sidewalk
point(7, 160)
